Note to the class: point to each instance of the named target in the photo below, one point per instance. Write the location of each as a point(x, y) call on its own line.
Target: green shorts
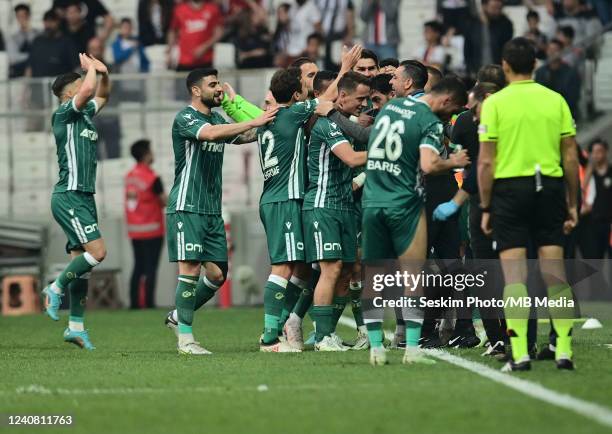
point(76, 213)
point(196, 237)
point(388, 232)
point(329, 235)
point(282, 222)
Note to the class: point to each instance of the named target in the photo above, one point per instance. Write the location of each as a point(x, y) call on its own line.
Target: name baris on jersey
point(385, 166)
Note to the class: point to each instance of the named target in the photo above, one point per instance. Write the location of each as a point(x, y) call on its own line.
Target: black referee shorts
point(520, 213)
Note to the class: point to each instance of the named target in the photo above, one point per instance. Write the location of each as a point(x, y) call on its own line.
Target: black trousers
point(144, 275)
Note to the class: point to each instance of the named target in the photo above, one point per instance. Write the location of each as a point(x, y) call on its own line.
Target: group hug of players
point(337, 192)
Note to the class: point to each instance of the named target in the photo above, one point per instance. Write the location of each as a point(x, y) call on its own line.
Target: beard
point(212, 101)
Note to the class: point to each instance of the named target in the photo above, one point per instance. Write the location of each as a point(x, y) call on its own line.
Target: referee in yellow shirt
point(528, 181)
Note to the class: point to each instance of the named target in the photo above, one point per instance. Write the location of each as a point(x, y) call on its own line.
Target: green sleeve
point(240, 109)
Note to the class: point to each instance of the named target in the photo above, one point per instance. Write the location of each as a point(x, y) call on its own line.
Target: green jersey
point(76, 138)
point(197, 164)
point(282, 153)
point(329, 179)
point(393, 177)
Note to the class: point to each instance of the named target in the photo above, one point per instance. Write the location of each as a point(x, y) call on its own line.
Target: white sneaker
point(378, 356)
point(277, 347)
point(293, 332)
point(171, 323)
point(329, 344)
point(415, 355)
point(340, 342)
point(362, 342)
point(192, 348)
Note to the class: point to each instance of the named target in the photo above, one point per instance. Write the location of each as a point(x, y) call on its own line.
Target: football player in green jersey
point(72, 202)
point(330, 234)
point(195, 228)
point(282, 157)
point(406, 139)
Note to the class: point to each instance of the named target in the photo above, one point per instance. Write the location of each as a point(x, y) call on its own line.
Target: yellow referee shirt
point(527, 120)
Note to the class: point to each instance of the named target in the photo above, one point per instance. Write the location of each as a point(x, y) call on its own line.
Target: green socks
point(78, 299)
point(304, 302)
point(413, 333)
point(375, 334)
point(274, 294)
point(562, 318)
point(294, 290)
point(338, 303)
point(205, 290)
point(185, 302)
point(77, 267)
point(322, 316)
point(516, 319)
point(355, 291)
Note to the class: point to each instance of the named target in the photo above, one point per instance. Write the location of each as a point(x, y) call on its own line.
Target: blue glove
point(445, 210)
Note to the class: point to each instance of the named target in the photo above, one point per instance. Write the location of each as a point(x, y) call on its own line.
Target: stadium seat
point(19, 296)
point(225, 55)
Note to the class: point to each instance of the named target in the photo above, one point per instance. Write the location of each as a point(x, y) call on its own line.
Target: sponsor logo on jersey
point(91, 228)
point(212, 147)
point(406, 114)
point(332, 247)
point(91, 135)
point(192, 247)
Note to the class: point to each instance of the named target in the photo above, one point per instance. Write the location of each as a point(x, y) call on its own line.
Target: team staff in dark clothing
point(527, 160)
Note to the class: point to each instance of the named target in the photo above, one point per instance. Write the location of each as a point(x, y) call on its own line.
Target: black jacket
point(501, 31)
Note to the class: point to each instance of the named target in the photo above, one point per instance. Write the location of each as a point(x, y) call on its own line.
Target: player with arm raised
point(72, 203)
point(195, 229)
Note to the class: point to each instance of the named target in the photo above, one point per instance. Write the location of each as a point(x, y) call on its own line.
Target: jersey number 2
point(390, 133)
point(267, 140)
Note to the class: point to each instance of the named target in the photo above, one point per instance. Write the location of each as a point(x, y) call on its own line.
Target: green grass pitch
point(135, 382)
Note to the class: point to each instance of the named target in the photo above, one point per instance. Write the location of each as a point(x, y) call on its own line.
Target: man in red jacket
point(144, 205)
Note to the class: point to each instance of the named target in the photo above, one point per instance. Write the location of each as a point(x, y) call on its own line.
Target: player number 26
point(390, 133)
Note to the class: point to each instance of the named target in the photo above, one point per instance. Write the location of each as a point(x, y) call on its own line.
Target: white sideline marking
point(592, 411)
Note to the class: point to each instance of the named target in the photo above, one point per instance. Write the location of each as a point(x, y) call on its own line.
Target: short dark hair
point(321, 79)
point(433, 71)
point(351, 80)
point(389, 61)
point(297, 63)
point(50, 15)
point(369, 54)
point(493, 74)
point(316, 36)
point(416, 71)
point(126, 20)
point(556, 42)
point(76, 3)
point(454, 87)
point(284, 83)
point(62, 81)
point(22, 7)
point(140, 148)
point(533, 14)
point(567, 31)
point(196, 76)
point(483, 88)
point(520, 55)
point(434, 25)
point(381, 83)
point(598, 141)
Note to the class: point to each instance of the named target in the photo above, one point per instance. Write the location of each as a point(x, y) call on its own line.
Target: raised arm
point(88, 87)
point(104, 86)
point(349, 60)
point(212, 133)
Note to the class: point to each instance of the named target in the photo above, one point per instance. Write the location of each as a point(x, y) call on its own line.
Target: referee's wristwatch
point(485, 208)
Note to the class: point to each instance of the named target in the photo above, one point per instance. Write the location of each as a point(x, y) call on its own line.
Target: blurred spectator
point(231, 11)
point(432, 52)
point(313, 49)
point(560, 77)
point(486, 36)
point(603, 8)
point(128, 54)
point(107, 122)
point(280, 40)
point(388, 65)
point(337, 24)
point(92, 10)
point(144, 203)
point(253, 41)
point(304, 19)
point(18, 44)
point(154, 18)
point(571, 55)
point(583, 20)
point(456, 14)
point(596, 213)
point(381, 33)
point(51, 53)
point(196, 26)
point(534, 34)
point(75, 26)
